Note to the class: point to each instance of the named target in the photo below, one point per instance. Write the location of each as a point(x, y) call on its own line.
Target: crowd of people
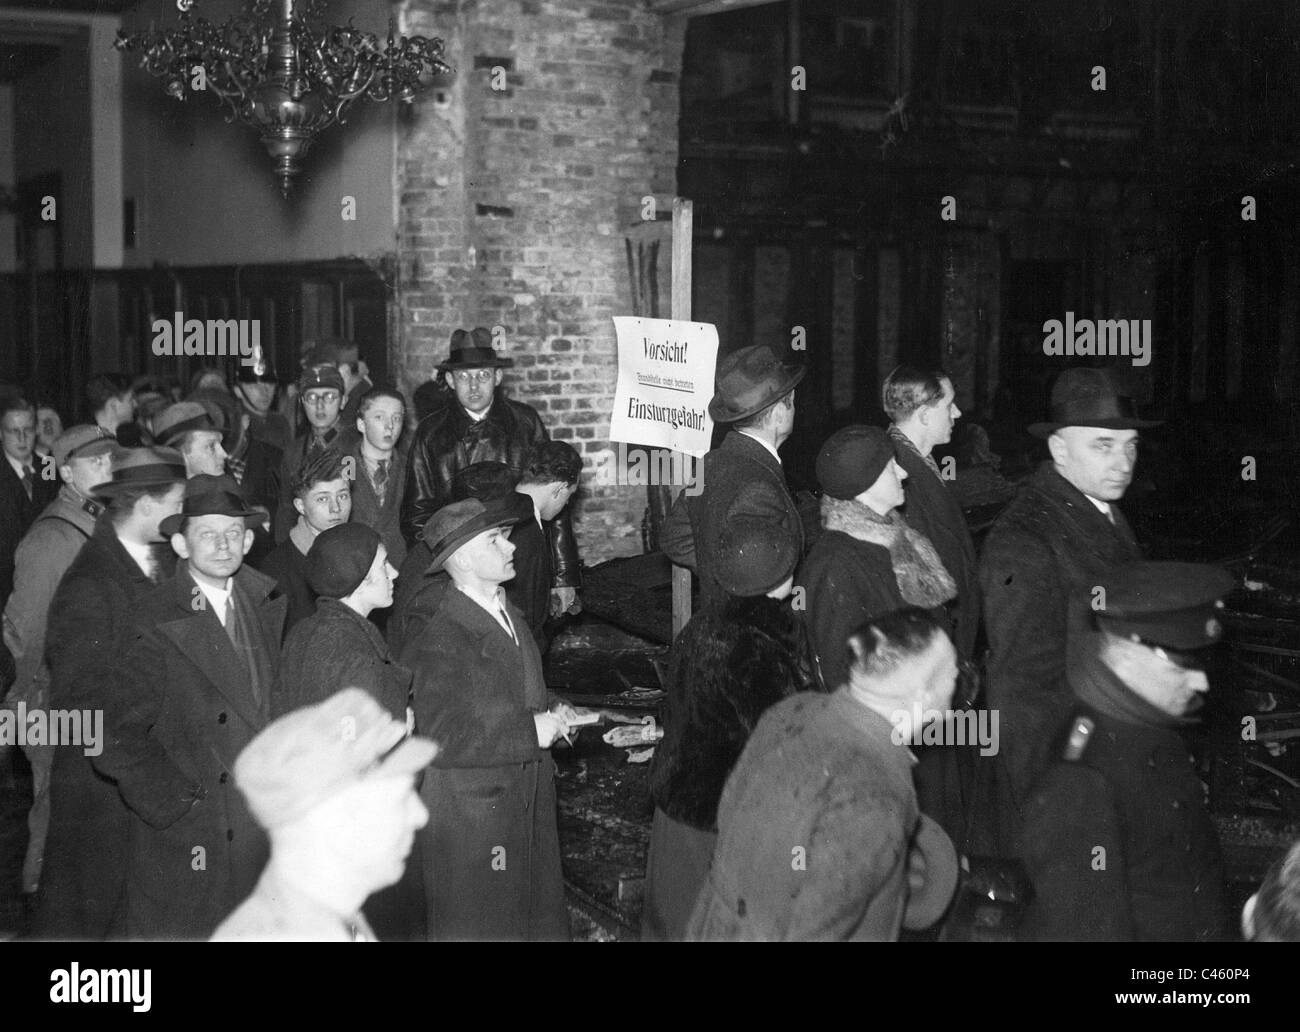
point(314, 628)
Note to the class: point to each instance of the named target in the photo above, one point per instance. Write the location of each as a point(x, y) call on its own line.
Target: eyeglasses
point(473, 375)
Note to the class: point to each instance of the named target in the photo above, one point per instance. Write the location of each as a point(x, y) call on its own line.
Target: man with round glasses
point(481, 425)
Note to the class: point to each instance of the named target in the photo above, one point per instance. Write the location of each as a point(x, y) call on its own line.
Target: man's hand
point(550, 726)
point(564, 600)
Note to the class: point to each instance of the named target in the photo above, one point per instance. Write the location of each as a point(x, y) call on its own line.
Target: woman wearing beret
point(730, 663)
point(867, 561)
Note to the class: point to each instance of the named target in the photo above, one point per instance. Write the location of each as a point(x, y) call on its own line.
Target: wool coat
point(416, 597)
point(338, 648)
point(381, 516)
point(448, 440)
point(83, 879)
point(182, 710)
point(491, 848)
point(864, 565)
point(740, 478)
point(1041, 560)
point(288, 568)
point(529, 590)
point(932, 509)
point(18, 513)
point(1125, 787)
point(814, 829)
point(728, 666)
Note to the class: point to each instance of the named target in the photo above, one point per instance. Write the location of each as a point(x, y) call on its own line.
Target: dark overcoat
point(1041, 560)
point(18, 513)
point(182, 711)
point(739, 478)
point(491, 847)
point(381, 516)
point(337, 648)
point(83, 878)
point(448, 440)
point(932, 509)
point(1117, 837)
point(288, 568)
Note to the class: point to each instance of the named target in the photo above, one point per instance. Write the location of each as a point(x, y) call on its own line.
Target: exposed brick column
point(512, 206)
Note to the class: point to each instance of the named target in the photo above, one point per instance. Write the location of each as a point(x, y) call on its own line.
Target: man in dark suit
point(491, 848)
point(378, 470)
point(481, 424)
point(550, 480)
point(83, 880)
point(1057, 540)
point(193, 688)
point(743, 475)
point(27, 484)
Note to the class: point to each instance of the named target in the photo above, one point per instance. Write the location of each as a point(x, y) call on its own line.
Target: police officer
point(1117, 837)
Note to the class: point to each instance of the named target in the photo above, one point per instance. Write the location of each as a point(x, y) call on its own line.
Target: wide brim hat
point(929, 903)
point(749, 380)
point(472, 349)
point(206, 495)
point(1089, 397)
point(181, 418)
point(454, 524)
point(142, 467)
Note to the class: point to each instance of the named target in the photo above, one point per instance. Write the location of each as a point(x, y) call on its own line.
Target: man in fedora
point(334, 786)
point(481, 425)
point(1048, 550)
point(83, 877)
point(1117, 838)
point(743, 475)
point(819, 832)
point(191, 691)
point(320, 389)
point(189, 428)
point(83, 456)
point(491, 849)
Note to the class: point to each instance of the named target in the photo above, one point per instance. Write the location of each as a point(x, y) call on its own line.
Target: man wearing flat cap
point(1117, 836)
point(192, 690)
point(480, 425)
point(83, 455)
point(83, 876)
point(321, 390)
point(1048, 549)
point(334, 786)
point(491, 849)
point(743, 475)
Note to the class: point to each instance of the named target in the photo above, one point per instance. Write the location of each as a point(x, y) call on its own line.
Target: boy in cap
point(192, 690)
point(320, 389)
point(83, 455)
point(491, 850)
point(1117, 836)
point(1058, 538)
point(743, 476)
point(333, 785)
point(83, 876)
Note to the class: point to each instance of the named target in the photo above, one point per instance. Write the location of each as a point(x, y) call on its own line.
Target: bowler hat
point(1169, 605)
point(311, 754)
point(322, 377)
point(340, 558)
point(181, 418)
point(749, 380)
point(852, 459)
point(84, 441)
point(473, 349)
point(454, 524)
point(754, 555)
point(1088, 397)
point(206, 495)
point(143, 467)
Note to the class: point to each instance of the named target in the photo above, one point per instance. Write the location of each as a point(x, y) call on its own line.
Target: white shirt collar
point(217, 597)
point(478, 417)
point(537, 513)
point(1102, 507)
point(140, 553)
point(766, 444)
point(18, 466)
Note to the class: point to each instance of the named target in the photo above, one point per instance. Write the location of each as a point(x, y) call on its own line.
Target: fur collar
point(922, 579)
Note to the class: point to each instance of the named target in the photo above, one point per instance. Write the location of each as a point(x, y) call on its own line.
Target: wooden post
point(683, 227)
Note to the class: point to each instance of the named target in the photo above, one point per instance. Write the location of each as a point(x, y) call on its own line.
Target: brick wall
point(512, 206)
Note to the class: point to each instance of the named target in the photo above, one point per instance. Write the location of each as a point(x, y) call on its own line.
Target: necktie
point(235, 632)
point(381, 478)
point(505, 620)
point(29, 481)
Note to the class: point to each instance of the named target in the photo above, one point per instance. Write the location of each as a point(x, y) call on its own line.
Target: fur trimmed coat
point(864, 565)
point(729, 665)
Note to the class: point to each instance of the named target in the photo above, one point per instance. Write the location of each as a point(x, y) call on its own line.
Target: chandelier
point(284, 74)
